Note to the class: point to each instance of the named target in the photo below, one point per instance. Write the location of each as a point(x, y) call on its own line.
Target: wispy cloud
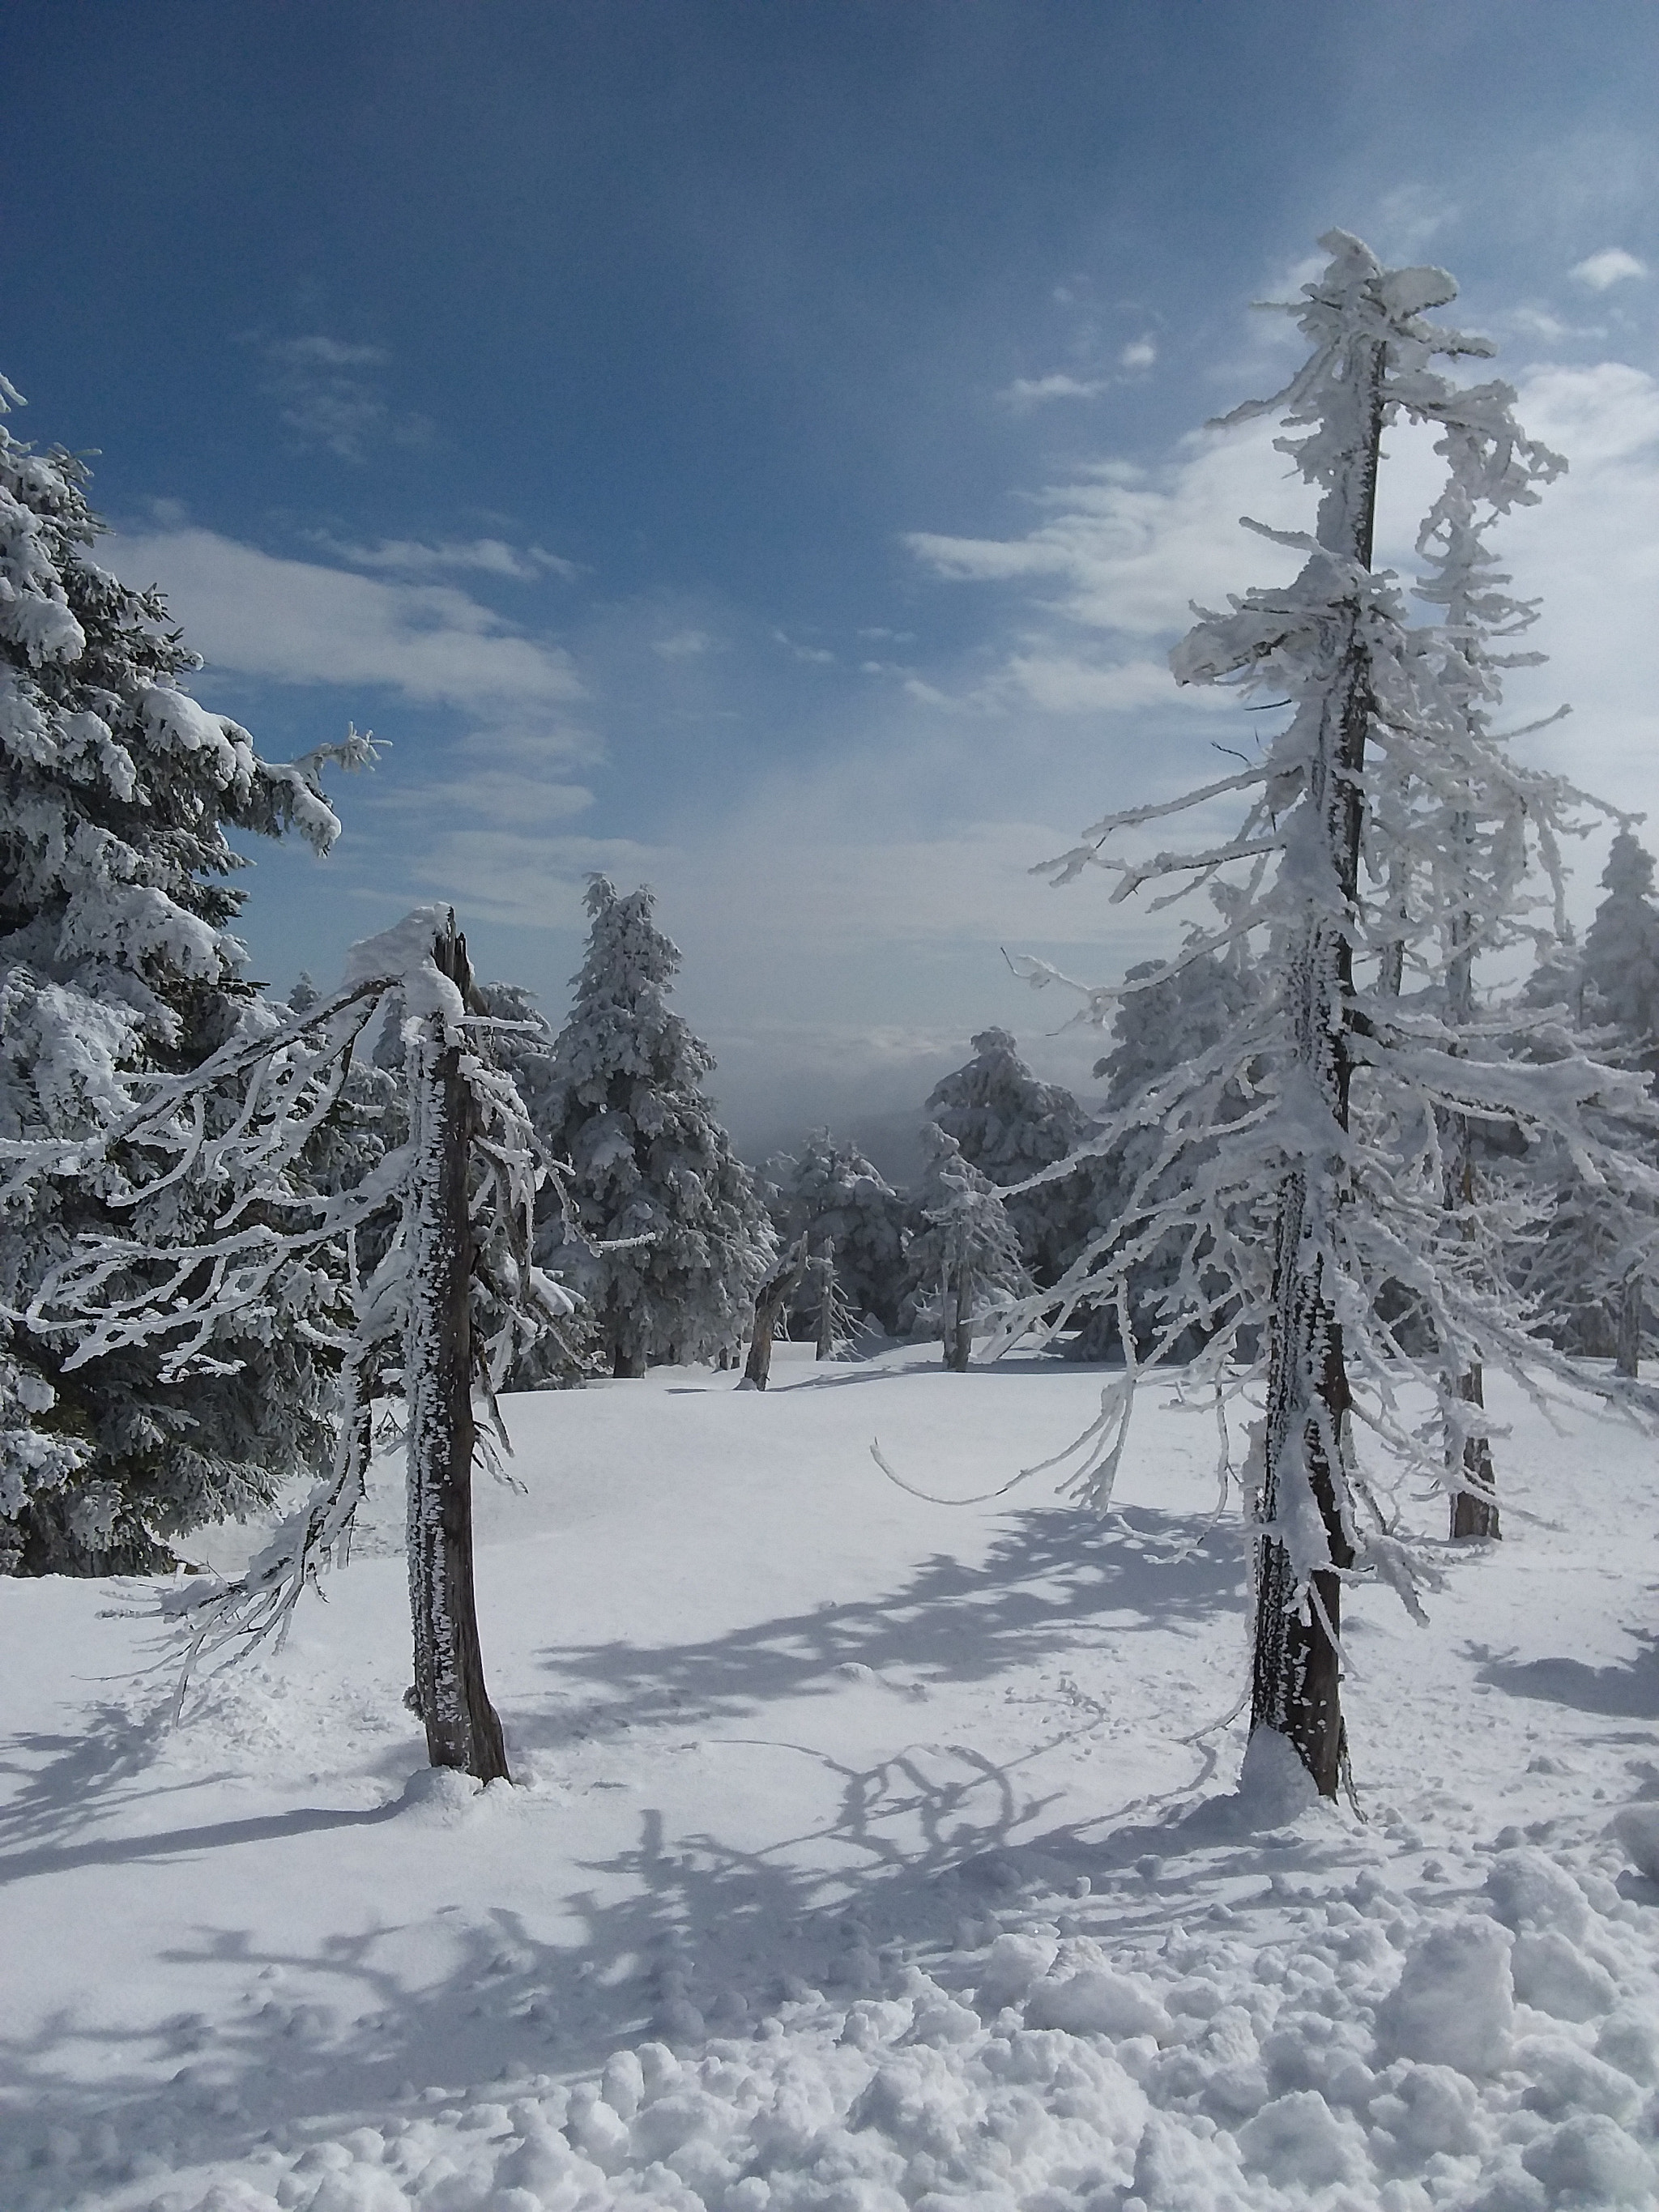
point(329, 394)
point(488, 556)
point(1611, 266)
point(817, 655)
point(684, 645)
point(319, 353)
point(1026, 392)
point(1142, 353)
point(300, 622)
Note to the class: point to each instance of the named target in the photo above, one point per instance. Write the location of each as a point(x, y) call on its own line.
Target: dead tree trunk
point(768, 1308)
point(1295, 1674)
point(1474, 1494)
point(1628, 1355)
point(959, 1317)
point(462, 1729)
point(1474, 1502)
point(826, 1263)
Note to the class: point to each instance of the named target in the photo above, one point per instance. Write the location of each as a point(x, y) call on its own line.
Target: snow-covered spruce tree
point(1009, 1126)
point(117, 963)
point(1174, 1015)
point(652, 1169)
point(1470, 841)
point(1620, 962)
point(965, 1264)
point(522, 1043)
point(828, 1192)
point(1339, 1162)
point(450, 1304)
point(1591, 1271)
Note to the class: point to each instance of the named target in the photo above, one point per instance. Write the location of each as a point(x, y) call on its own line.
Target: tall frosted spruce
point(1327, 1246)
point(677, 1240)
point(117, 964)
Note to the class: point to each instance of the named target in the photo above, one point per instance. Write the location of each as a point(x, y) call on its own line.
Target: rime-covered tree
point(1344, 877)
point(1620, 962)
point(1593, 1267)
point(828, 1193)
point(447, 1305)
point(652, 1169)
point(965, 1261)
point(1166, 1017)
point(117, 963)
point(522, 1042)
point(1009, 1125)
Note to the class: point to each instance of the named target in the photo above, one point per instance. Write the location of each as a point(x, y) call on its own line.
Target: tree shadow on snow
point(1629, 1693)
point(674, 1933)
point(1054, 1582)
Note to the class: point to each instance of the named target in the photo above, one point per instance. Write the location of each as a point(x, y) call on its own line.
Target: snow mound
point(1454, 2001)
point(440, 1797)
point(1637, 1829)
point(1095, 2001)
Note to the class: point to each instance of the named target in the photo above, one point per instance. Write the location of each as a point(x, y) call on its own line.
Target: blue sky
point(754, 449)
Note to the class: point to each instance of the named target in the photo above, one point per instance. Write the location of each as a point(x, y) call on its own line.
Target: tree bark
point(626, 1365)
point(1296, 1672)
point(462, 1728)
point(769, 1306)
point(959, 1335)
point(1628, 1358)
point(826, 1261)
point(1474, 1503)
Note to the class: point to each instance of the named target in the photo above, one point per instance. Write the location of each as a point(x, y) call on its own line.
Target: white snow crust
point(863, 1855)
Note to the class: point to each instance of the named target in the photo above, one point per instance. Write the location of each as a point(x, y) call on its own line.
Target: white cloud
point(1062, 683)
point(1127, 550)
point(683, 645)
point(1589, 551)
point(298, 622)
point(525, 880)
point(489, 557)
point(1534, 322)
point(1141, 354)
point(1028, 391)
point(1613, 265)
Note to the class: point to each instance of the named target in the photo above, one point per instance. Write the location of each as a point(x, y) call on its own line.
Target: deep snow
point(864, 1852)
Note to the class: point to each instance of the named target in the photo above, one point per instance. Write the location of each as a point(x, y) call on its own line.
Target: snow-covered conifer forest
point(550, 1668)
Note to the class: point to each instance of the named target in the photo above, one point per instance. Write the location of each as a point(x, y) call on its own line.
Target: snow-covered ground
point(864, 1852)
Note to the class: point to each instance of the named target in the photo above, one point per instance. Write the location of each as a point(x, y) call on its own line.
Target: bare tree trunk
point(627, 1366)
point(1474, 1503)
point(1628, 1358)
point(462, 1729)
point(1474, 1500)
point(959, 1342)
point(769, 1306)
point(826, 1263)
point(1295, 1674)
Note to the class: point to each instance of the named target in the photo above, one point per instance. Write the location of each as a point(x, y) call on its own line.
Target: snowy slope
point(865, 1851)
